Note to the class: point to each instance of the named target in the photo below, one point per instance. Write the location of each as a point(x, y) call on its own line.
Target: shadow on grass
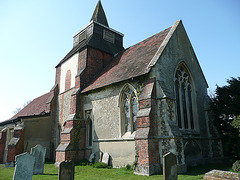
point(47, 174)
point(47, 161)
point(202, 169)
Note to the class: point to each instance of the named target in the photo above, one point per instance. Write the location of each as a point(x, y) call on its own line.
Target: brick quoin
point(145, 103)
point(3, 136)
point(73, 104)
point(91, 61)
point(61, 110)
point(82, 60)
point(147, 148)
point(14, 150)
point(76, 150)
point(143, 122)
point(58, 74)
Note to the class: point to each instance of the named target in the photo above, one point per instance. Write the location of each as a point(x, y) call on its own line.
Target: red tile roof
point(36, 107)
point(129, 63)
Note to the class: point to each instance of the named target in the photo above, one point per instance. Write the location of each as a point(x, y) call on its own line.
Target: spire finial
point(99, 14)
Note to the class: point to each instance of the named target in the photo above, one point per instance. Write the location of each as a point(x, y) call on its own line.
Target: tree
point(226, 108)
point(236, 123)
point(20, 108)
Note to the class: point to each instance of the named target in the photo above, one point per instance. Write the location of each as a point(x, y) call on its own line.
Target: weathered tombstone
point(170, 167)
point(91, 158)
point(217, 174)
point(98, 156)
point(66, 170)
point(105, 158)
point(39, 153)
point(24, 167)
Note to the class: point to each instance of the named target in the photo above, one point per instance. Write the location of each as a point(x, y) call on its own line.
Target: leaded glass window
point(129, 109)
point(184, 99)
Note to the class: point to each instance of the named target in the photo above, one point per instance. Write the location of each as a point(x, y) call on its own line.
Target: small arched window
point(129, 109)
point(184, 98)
point(68, 80)
point(89, 128)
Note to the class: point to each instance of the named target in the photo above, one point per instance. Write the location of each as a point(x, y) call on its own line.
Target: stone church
point(135, 103)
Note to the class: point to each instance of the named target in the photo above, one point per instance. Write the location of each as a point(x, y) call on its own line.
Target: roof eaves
point(162, 46)
point(73, 51)
point(34, 115)
point(84, 90)
point(9, 121)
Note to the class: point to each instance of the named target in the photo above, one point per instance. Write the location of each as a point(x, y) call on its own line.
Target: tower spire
point(99, 14)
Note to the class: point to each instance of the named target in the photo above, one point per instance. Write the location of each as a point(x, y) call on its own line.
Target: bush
point(100, 165)
point(128, 167)
point(236, 166)
point(84, 162)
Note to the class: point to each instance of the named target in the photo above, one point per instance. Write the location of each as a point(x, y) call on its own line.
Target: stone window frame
point(185, 104)
point(122, 96)
point(89, 125)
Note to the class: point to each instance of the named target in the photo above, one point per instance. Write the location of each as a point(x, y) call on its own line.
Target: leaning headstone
point(105, 158)
point(91, 158)
point(98, 156)
point(66, 170)
point(39, 153)
point(217, 174)
point(170, 167)
point(24, 167)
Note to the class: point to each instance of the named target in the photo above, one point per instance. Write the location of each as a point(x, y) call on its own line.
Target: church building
point(136, 103)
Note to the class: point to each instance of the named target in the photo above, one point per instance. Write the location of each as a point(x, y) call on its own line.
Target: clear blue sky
point(36, 34)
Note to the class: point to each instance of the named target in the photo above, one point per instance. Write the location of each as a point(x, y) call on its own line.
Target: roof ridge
point(163, 45)
point(147, 38)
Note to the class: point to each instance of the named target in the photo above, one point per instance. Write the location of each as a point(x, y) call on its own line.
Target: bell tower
point(93, 47)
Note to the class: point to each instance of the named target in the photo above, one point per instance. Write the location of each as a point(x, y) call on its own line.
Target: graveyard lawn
point(88, 172)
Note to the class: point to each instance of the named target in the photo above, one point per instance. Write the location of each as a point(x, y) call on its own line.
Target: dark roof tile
point(36, 107)
point(129, 63)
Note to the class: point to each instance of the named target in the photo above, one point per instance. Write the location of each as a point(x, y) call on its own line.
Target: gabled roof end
point(163, 45)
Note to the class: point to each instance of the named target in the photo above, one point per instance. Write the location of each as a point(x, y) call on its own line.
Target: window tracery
point(129, 106)
point(184, 99)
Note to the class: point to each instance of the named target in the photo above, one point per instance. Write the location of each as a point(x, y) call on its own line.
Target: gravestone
point(217, 174)
point(66, 170)
point(105, 158)
point(39, 153)
point(170, 167)
point(98, 156)
point(24, 167)
point(91, 158)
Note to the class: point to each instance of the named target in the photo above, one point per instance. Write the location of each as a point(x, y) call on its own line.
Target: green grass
point(88, 172)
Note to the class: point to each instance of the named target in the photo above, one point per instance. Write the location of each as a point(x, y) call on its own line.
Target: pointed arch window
point(129, 109)
point(89, 128)
point(184, 99)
